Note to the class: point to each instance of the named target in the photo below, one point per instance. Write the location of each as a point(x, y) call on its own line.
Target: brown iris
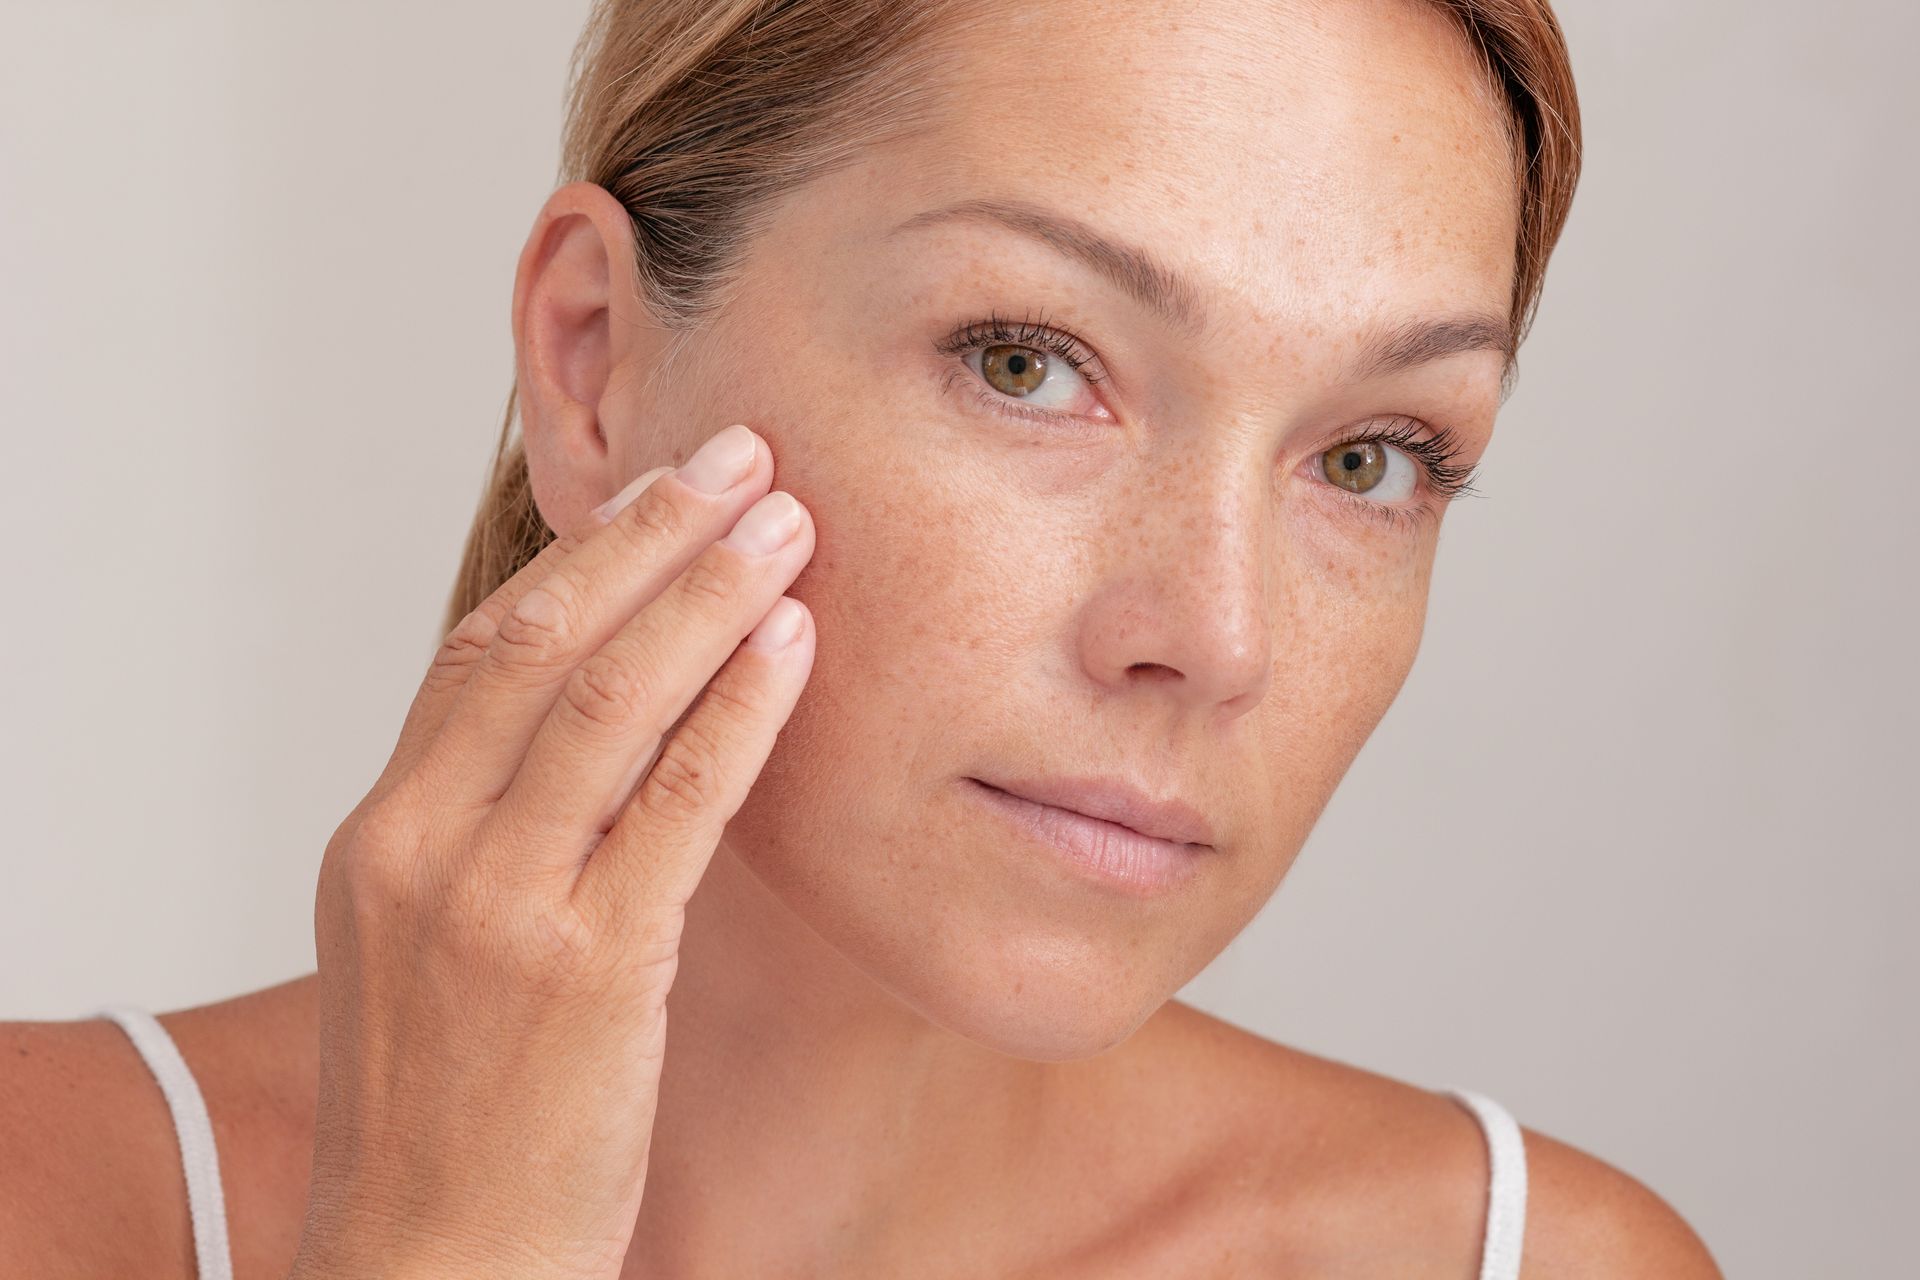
point(1015, 371)
point(1357, 466)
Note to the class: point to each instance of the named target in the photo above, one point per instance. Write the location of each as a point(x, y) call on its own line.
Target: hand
point(498, 921)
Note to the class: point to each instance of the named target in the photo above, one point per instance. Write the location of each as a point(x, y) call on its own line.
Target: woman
point(1116, 363)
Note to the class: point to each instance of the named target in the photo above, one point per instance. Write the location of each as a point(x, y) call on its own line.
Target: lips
point(1113, 800)
point(1116, 856)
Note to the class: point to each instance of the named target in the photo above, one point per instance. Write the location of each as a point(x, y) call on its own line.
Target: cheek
point(915, 579)
point(1346, 635)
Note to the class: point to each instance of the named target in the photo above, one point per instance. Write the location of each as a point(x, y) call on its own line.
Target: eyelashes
point(1436, 451)
point(1038, 334)
point(1438, 455)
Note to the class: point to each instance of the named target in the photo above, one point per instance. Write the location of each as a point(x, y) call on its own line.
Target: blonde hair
point(697, 115)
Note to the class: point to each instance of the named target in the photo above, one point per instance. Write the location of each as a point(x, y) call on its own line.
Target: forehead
point(1304, 163)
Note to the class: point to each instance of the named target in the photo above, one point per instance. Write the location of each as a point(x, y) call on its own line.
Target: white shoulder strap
point(198, 1155)
point(1506, 1189)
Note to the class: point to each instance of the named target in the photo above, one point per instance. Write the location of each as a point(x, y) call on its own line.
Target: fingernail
point(635, 487)
point(722, 462)
point(768, 525)
point(779, 628)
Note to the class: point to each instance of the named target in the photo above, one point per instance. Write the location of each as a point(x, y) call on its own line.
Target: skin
point(904, 1039)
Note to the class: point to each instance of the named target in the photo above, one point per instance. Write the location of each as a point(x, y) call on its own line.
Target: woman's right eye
point(1030, 369)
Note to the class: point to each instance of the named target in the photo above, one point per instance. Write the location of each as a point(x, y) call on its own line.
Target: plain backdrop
point(1634, 851)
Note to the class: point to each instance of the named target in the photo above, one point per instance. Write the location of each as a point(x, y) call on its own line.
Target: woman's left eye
point(1374, 469)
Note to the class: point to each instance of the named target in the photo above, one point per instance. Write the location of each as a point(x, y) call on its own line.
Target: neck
point(809, 1122)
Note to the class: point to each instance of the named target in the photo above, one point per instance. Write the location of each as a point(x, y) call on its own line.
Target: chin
point(1008, 983)
point(1058, 1025)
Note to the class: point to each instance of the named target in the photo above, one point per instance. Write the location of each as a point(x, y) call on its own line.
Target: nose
point(1184, 607)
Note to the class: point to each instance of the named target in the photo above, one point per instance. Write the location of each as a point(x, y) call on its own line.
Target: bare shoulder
point(1587, 1220)
point(86, 1174)
point(93, 1185)
point(1349, 1171)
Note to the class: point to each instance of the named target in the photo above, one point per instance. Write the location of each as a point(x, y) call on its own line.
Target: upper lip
point(1115, 800)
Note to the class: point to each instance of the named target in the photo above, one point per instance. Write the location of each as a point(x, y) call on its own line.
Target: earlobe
point(572, 289)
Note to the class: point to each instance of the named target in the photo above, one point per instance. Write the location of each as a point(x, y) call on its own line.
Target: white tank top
point(1499, 1251)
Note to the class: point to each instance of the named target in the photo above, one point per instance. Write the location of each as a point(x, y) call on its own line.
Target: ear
point(580, 334)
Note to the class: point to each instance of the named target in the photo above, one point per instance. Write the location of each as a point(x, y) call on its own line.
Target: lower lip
point(1119, 855)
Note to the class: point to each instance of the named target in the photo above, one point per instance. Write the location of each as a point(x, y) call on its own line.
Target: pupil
point(1350, 461)
point(1016, 365)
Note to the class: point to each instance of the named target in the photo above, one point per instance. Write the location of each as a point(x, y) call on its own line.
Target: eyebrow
point(1164, 292)
point(1149, 281)
point(1411, 342)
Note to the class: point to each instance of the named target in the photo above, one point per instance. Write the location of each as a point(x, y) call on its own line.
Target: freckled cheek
point(934, 588)
point(1353, 628)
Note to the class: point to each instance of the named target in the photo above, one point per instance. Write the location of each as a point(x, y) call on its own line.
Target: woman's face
point(1136, 570)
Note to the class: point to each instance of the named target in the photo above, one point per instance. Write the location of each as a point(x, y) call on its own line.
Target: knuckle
point(370, 862)
point(386, 832)
point(685, 781)
point(545, 623)
point(464, 646)
point(653, 520)
point(607, 691)
point(555, 949)
point(709, 582)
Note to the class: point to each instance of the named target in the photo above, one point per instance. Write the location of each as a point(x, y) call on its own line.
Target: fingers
point(619, 704)
point(583, 600)
point(648, 865)
point(463, 648)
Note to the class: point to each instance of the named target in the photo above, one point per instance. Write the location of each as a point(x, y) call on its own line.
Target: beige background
point(1633, 852)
